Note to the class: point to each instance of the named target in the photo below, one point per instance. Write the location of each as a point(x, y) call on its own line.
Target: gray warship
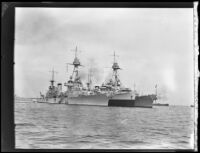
point(109, 93)
point(54, 94)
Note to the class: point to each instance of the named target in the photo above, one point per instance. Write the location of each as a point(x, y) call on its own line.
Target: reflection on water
point(70, 126)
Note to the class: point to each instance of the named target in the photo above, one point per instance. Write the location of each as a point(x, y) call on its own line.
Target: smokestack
point(59, 87)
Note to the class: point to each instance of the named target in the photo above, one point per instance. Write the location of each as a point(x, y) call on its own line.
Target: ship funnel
point(59, 85)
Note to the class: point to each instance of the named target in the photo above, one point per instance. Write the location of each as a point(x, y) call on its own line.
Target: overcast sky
point(155, 46)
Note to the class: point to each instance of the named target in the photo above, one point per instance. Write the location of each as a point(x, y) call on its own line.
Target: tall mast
point(114, 56)
point(76, 63)
point(156, 90)
point(89, 78)
point(115, 68)
point(134, 87)
point(52, 79)
point(76, 49)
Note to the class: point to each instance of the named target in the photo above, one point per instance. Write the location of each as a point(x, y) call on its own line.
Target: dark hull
point(158, 104)
point(142, 101)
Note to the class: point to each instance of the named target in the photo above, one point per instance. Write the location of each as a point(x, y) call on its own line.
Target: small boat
point(159, 104)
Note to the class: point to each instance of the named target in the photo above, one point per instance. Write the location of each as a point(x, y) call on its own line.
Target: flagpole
point(156, 92)
point(156, 89)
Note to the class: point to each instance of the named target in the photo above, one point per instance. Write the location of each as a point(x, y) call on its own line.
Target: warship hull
point(97, 99)
point(141, 101)
point(120, 100)
point(101, 100)
point(52, 100)
point(127, 95)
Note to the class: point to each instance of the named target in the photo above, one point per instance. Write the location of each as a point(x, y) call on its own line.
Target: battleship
point(110, 93)
point(54, 94)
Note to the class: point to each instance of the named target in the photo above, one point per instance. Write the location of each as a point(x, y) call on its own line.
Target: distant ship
point(160, 104)
point(110, 93)
point(53, 95)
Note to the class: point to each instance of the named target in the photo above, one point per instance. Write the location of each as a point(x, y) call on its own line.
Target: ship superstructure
point(54, 94)
point(114, 85)
point(53, 91)
point(111, 91)
point(74, 84)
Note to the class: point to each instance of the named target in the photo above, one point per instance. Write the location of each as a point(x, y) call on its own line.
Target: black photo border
point(7, 67)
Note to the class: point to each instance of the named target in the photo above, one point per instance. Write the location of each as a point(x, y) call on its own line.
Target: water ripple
point(46, 126)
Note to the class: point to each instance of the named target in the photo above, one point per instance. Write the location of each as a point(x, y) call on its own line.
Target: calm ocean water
point(53, 126)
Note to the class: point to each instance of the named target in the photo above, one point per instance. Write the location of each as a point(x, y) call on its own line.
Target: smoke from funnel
point(96, 71)
point(108, 76)
point(163, 93)
point(83, 75)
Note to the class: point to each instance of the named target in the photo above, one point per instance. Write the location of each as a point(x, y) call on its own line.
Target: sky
point(154, 46)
